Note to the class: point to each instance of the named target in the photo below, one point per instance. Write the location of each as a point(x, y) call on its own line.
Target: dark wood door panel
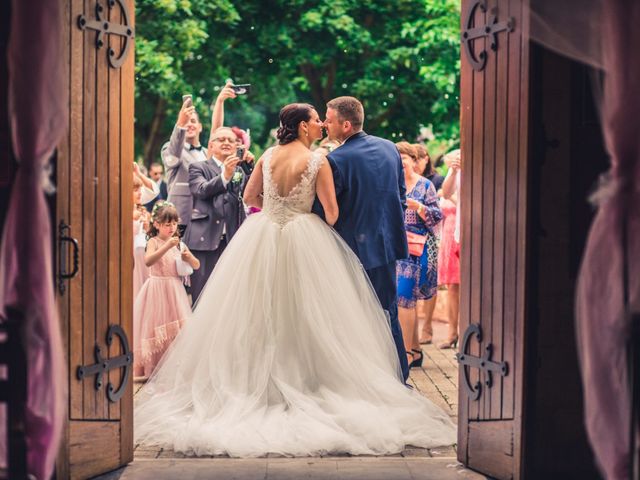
point(494, 143)
point(491, 448)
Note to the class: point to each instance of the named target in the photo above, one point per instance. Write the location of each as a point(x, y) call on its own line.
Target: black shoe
point(418, 361)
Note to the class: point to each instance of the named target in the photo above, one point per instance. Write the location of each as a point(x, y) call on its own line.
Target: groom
point(370, 189)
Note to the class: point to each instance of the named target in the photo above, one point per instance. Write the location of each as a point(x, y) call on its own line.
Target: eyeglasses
point(225, 139)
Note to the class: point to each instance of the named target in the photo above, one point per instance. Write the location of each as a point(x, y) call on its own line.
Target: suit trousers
point(208, 260)
point(385, 285)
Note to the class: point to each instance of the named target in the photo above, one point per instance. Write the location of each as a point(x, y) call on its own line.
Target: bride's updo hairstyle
point(290, 117)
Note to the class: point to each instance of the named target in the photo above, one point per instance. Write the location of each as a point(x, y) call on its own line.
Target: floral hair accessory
point(160, 204)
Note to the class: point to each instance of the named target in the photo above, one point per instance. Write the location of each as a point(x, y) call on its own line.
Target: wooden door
point(94, 205)
point(494, 144)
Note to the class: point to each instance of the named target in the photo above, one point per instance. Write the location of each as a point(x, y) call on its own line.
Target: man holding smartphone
point(218, 212)
point(183, 149)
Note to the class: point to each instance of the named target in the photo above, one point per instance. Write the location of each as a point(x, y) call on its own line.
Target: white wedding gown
point(288, 351)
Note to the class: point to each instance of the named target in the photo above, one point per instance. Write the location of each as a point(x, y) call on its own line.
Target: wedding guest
point(242, 137)
point(156, 174)
point(184, 149)
point(144, 191)
point(218, 212)
point(149, 189)
point(451, 185)
point(449, 259)
point(417, 280)
point(162, 306)
point(141, 222)
point(449, 269)
point(425, 167)
point(243, 140)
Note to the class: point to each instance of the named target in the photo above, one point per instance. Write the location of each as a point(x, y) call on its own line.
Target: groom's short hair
point(348, 109)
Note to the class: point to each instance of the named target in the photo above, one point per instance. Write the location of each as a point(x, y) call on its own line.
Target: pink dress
point(140, 271)
point(159, 311)
point(449, 254)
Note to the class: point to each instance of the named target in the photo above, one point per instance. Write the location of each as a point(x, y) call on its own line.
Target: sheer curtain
point(605, 35)
point(37, 110)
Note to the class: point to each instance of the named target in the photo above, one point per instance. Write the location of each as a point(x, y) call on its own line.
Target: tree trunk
point(321, 93)
point(152, 144)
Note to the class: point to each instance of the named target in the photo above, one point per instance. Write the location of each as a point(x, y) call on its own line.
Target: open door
point(93, 226)
point(494, 144)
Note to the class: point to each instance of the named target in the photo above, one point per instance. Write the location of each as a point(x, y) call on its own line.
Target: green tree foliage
point(400, 57)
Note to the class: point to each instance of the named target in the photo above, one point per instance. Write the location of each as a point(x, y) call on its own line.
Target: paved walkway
point(436, 380)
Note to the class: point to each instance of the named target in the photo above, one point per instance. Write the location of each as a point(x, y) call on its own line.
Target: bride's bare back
point(288, 165)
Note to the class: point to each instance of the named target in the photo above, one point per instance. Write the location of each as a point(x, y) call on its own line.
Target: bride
point(288, 350)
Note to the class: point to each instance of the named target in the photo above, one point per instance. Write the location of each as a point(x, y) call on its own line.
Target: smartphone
point(187, 99)
point(241, 89)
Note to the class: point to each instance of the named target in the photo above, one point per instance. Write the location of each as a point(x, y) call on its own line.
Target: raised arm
point(326, 191)
point(150, 189)
point(217, 117)
point(172, 151)
point(449, 184)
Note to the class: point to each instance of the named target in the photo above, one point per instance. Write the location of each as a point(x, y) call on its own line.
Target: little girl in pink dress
point(162, 305)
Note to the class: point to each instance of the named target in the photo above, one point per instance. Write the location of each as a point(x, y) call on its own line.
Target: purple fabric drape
point(38, 109)
point(602, 318)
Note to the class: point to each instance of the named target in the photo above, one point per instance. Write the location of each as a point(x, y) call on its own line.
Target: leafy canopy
point(400, 57)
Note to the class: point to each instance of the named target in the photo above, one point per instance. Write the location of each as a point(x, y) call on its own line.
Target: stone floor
point(436, 380)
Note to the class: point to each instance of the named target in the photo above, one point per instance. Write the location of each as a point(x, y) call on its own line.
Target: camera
point(240, 153)
point(181, 230)
point(241, 89)
point(187, 100)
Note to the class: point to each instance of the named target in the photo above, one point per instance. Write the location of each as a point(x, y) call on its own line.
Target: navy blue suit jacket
point(371, 194)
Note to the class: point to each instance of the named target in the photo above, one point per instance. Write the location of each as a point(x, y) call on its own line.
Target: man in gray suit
point(184, 148)
point(178, 153)
point(216, 186)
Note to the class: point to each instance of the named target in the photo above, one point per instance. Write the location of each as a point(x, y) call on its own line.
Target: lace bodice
point(299, 200)
point(166, 265)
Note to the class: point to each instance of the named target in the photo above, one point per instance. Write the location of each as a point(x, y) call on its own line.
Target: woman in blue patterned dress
point(416, 281)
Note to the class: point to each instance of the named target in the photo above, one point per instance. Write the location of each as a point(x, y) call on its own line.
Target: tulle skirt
point(159, 311)
point(288, 351)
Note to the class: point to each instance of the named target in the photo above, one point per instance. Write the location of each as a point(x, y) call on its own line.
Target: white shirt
point(225, 181)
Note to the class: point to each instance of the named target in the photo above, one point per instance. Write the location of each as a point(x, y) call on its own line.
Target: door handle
point(63, 239)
